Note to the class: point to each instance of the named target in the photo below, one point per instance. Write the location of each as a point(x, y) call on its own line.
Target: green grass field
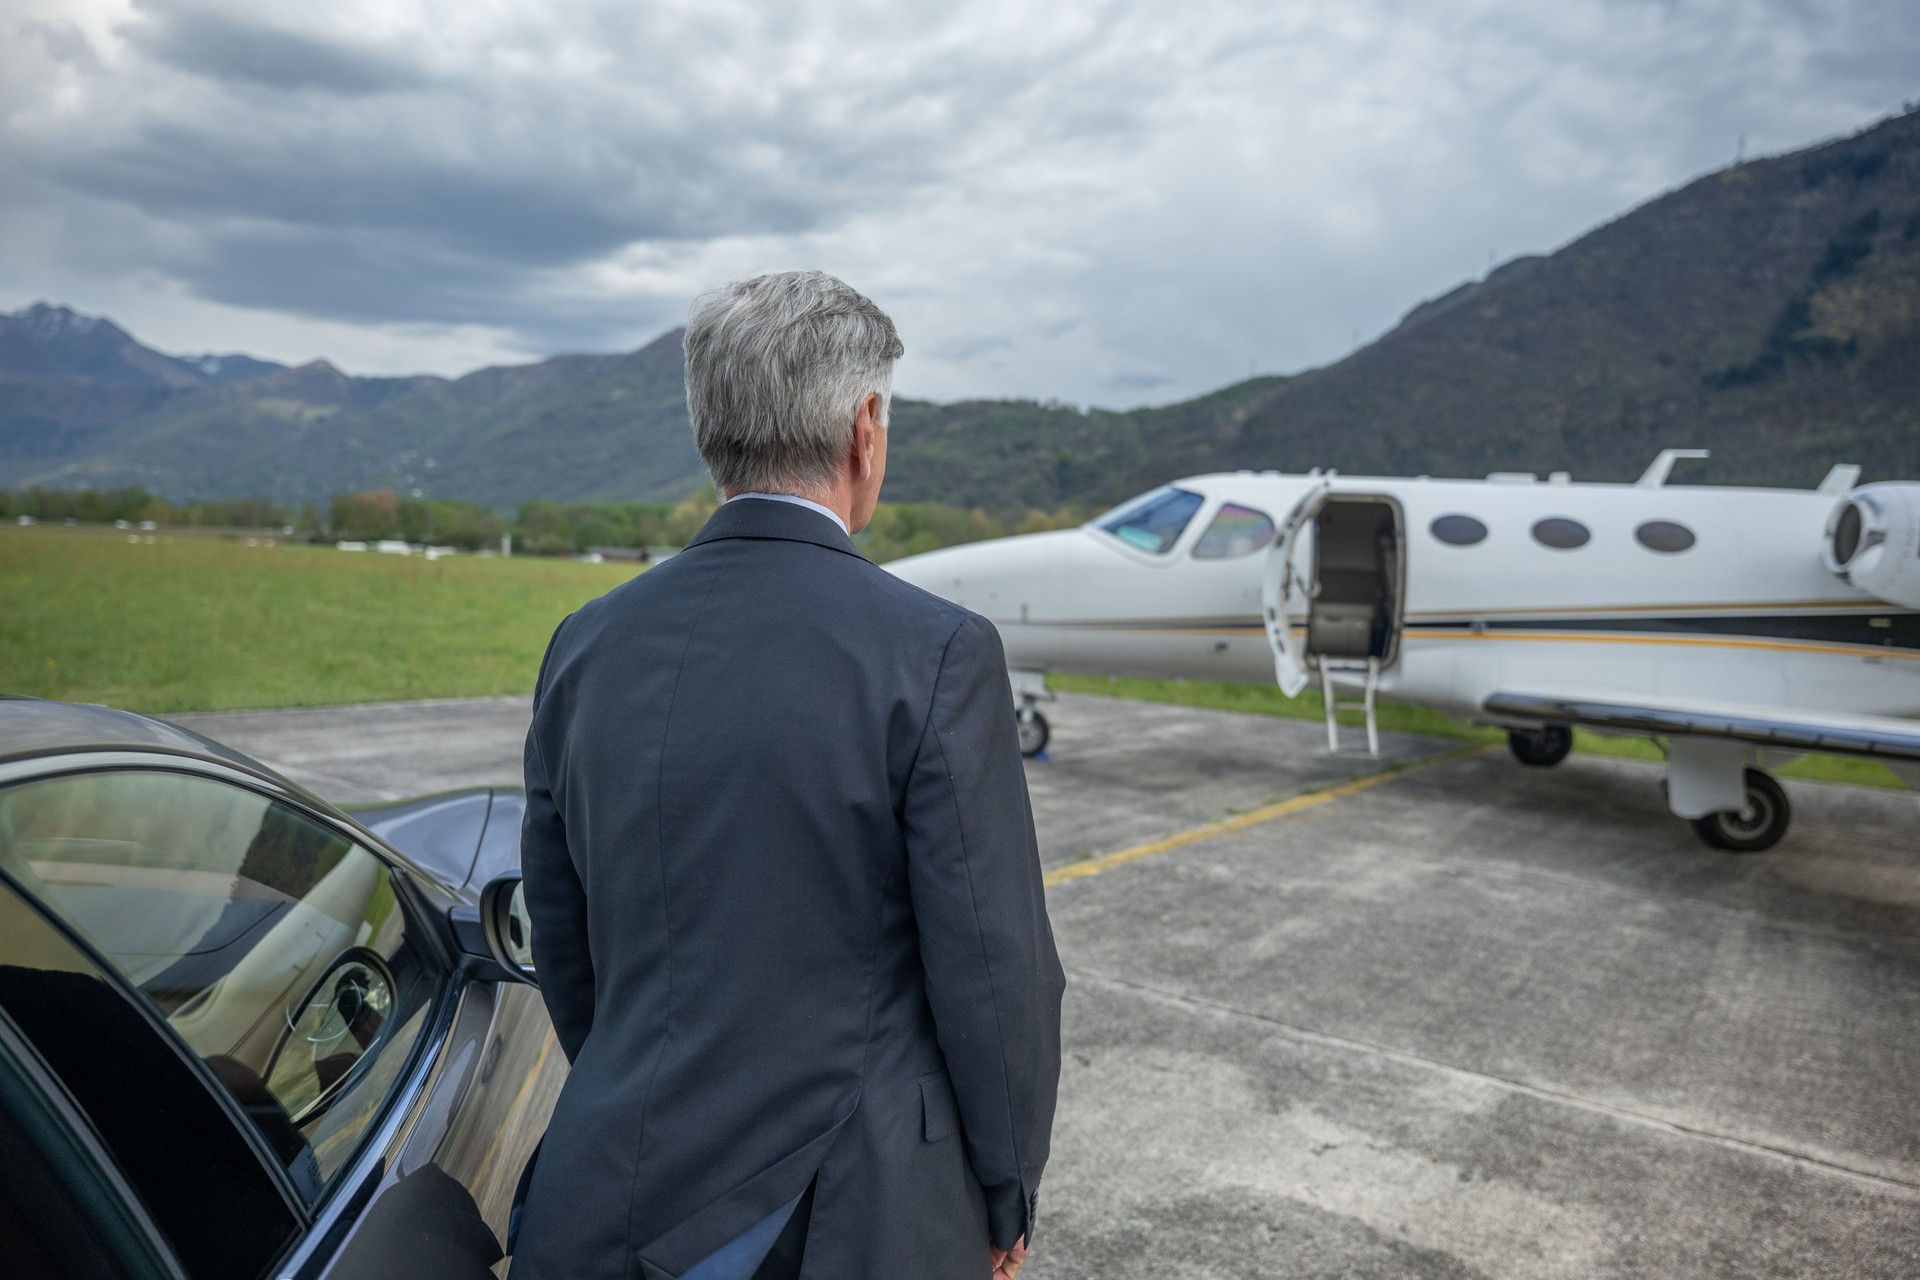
point(207, 624)
point(1267, 700)
point(188, 623)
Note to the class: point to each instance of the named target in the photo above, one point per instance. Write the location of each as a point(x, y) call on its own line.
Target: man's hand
point(1007, 1262)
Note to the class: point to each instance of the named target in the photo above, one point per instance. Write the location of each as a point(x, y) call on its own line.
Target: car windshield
point(1152, 523)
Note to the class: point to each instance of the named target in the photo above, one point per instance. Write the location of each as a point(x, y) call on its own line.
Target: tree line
point(133, 504)
point(537, 528)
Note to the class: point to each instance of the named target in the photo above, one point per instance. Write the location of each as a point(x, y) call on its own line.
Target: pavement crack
point(1570, 878)
point(1799, 1160)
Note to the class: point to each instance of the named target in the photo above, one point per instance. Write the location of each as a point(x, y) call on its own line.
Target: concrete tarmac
point(381, 751)
point(1478, 1020)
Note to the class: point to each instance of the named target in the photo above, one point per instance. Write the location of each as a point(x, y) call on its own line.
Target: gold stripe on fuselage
point(1211, 624)
point(1253, 626)
point(1695, 610)
point(1723, 642)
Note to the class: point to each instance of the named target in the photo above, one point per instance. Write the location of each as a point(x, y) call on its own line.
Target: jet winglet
point(1655, 476)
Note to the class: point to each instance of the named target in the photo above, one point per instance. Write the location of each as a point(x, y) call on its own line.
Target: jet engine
point(1873, 541)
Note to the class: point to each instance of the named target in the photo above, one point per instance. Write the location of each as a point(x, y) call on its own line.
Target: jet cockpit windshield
point(1152, 522)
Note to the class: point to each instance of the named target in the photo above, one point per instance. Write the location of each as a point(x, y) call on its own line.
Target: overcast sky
point(1115, 203)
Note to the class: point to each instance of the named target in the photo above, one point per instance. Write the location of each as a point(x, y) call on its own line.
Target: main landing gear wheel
point(1756, 827)
point(1033, 732)
point(1543, 747)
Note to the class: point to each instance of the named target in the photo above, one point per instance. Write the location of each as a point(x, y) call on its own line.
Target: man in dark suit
point(780, 862)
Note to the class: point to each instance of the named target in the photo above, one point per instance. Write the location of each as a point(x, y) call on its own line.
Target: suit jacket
point(787, 918)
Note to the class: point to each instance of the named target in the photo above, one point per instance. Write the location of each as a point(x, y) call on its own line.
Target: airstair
point(1369, 674)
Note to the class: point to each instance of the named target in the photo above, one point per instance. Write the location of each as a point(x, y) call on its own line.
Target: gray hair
point(777, 368)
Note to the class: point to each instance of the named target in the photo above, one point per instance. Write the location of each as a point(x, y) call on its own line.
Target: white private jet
point(1742, 625)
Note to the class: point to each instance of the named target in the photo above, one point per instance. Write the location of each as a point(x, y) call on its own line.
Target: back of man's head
point(777, 368)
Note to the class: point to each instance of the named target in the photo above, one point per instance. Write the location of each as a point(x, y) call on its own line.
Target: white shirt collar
point(797, 501)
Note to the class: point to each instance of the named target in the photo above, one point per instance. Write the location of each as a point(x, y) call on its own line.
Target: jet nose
point(952, 573)
point(1003, 578)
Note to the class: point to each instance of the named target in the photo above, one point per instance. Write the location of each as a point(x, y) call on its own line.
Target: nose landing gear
point(1029, 690)
point(1033, 728)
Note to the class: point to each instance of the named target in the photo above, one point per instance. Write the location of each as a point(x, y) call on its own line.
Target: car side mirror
point(509, 930)
point(494, 940)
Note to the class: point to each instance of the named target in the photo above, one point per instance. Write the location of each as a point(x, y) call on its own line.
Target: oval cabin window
point(1561, 533)
point(1664, 535)
point(1458, 531)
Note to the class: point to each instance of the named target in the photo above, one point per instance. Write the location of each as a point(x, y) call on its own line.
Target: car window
point(1235, 531)
point(205, 1186)
point(272, 945)
point(1153, 523)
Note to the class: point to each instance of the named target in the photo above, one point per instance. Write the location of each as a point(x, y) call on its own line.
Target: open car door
point(1283, 592)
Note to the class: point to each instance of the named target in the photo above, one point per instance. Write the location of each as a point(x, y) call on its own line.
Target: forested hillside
point(1770, 312)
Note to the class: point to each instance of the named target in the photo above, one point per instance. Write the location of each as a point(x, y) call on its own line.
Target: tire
point(1754, 829)
point(1034, 732)
point(1540, 748)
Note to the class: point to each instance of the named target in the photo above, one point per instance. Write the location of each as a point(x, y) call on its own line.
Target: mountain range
point(1769, 312)
point(42, 342)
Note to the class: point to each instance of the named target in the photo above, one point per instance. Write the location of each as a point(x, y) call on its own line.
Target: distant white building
point(351, 546)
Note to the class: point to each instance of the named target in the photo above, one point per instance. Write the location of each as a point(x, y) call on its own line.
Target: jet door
point(1284, 594)
point(1345, 614)
point(1359, 575)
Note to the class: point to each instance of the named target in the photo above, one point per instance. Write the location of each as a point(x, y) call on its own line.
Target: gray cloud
point(438, 204)
point(318, 185)
point(65, 43)
point(1098, 201)
point(233, 50)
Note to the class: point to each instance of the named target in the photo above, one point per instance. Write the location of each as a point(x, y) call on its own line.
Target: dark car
point(243, 1033)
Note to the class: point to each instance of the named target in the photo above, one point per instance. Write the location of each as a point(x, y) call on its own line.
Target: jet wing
point(1792, 729)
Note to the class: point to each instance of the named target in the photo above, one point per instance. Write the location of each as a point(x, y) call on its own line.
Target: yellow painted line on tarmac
point(1253, 818)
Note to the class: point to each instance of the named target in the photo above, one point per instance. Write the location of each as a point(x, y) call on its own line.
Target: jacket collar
point(758, 518)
